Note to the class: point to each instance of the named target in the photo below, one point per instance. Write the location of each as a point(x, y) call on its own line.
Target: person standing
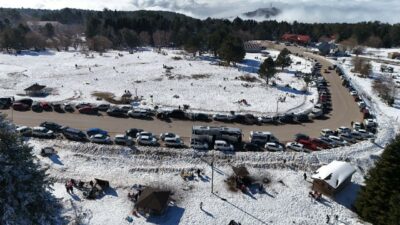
point(305, 176)
point(201, 205)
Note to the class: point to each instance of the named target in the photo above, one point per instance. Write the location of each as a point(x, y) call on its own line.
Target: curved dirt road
point(344, 111)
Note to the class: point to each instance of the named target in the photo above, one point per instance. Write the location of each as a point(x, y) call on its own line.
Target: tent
point(153, 201)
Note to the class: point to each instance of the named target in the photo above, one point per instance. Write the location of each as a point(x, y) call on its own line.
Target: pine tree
point(24, 185)
point(378, 201)
point(283, 60)
point(232, 50)
point(267, 69)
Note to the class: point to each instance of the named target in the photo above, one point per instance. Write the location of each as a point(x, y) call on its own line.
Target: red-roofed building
point(297, 38)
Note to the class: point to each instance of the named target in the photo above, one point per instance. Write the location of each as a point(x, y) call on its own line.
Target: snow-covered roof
point(335, 173)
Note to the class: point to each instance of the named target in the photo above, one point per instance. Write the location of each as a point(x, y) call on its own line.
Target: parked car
point(100, 139)
point(320, 144)
point(42, 132)
point(273, 146)
point(46, 106)
point(123, 139)
point(200, 117)
point(6, 102)
point(357, 135)
point(326, 132)
point(301, 118)
point(116, 112)
point(316, 113)
point(168, 135)
point(25, 101)
point(36, 107)
point(365, 134)
point(125, 108)
point(146, 140)
point(174, 142)
point(68, 107)
point(133, 132)
point(357, 126)
point(198, 144)
point(337, 140)
point(103, 107)
point(370, 123)
point(251, 147)
point(344, 130)
point(347, 137)
point(300, 136)
point(52, 126)
point(248, 119)
point(89, 110)
point(83, 105)
point(57, 107)
point(266, 119)
point(308, 144)
point(178, 114)
point(223, 118)
point(329, 142)
point(163, 115)
point(287, 118)
point(222, 145)
point(139, 113)
point(94, 131)
point(20, 106)
point(295, 146)
point(74, 134)
point(47, 151)
point(24, 131)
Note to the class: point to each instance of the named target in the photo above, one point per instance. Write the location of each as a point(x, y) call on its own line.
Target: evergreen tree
point(378, 201)
point(130, 38)
point(24, 196)
point(283, 60)
point(192, 45)
point(232, 50)
point(267, 69)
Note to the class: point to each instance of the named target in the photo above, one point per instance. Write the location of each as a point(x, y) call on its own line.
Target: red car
point(319, 143)
point(89, 110)
point(46, 106)
point(308, 144)
point(20, 106)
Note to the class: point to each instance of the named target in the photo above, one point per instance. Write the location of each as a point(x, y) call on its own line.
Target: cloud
point(300, 10)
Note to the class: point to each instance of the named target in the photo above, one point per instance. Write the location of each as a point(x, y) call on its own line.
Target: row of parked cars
point(52, 130)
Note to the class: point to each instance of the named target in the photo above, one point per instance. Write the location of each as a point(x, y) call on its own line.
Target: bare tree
point(144, 38)
point(99, 43)
point(161, 38)
point(35, 40)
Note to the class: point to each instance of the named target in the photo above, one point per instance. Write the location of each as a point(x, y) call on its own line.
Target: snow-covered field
point(285, 201)
point(381, 53)
point(198, 82)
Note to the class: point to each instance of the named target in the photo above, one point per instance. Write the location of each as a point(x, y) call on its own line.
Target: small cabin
point(35, 90)
point(332, 178)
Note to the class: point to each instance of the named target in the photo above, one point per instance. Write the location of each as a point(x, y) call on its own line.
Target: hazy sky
point(300, 10)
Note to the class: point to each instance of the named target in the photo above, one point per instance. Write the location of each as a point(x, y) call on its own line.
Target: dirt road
point(344, 111)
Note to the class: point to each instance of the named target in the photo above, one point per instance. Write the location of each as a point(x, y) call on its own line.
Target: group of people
point(315, 195)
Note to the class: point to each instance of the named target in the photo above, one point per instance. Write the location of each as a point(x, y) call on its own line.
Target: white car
point(370, 123)
point(337, 140)
point(315, 113)
point(362, 104)
point(223, 117)
point(175, 142)
point(295, 146)
point(198, 144)
point(24, 131)
point(138, 113)
point(273, 146)
point(100, 139)
point(144, 133)
point(146, 140)
point(223, 146)
point(353, 93)
point(326, 132)
point(344, 130)
point(42, 132)
point(168, 135)
point(122, 139)
point(365, 134)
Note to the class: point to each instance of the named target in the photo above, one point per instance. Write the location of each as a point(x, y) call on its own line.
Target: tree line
point(121, 29)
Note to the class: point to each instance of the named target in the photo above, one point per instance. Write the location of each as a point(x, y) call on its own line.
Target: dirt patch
point(248, 78)
point(108, 96)
point(201, 76)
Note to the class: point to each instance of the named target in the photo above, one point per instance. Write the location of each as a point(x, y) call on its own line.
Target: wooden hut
point(332, 178)
point(153, 201)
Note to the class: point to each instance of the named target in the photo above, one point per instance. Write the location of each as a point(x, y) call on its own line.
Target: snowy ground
point(285, 202)
point(199, 82)
point(381, 53)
